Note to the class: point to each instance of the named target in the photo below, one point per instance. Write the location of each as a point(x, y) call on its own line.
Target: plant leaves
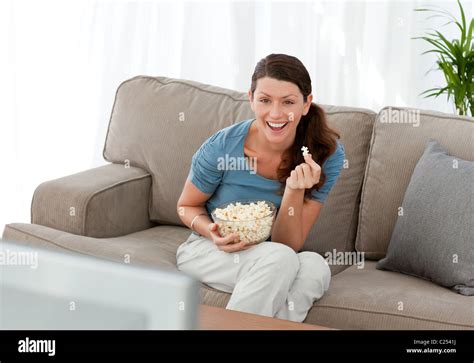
point(455, 59)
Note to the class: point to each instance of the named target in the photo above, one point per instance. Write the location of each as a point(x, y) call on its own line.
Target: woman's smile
point(277, 128)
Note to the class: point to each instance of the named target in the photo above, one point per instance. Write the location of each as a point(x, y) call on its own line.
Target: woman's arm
point(192, 203)
point(295, 218)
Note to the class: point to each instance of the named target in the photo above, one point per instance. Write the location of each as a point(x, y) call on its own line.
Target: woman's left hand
point(305, 175)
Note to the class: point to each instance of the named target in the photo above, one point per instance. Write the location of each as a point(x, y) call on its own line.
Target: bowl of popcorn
point(250, 219)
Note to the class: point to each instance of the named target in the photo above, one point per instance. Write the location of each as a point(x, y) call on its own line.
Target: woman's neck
point(260, 143)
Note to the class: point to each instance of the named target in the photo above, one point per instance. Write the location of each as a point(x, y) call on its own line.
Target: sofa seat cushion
point(213, 297)
point(153, 247)
point(368, 298)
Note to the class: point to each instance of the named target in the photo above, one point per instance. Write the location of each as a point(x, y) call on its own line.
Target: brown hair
point(312, 131)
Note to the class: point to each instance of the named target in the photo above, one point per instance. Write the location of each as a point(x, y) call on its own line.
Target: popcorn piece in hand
point(305, 150)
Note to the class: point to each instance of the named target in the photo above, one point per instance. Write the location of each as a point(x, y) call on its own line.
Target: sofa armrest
point(108, 201)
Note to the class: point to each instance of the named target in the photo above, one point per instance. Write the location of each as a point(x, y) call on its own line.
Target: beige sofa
point(128, 207)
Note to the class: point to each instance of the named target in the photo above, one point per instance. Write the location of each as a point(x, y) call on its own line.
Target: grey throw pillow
point(433, 237)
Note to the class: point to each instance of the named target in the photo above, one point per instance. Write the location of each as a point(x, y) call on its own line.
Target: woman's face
point(278, 107)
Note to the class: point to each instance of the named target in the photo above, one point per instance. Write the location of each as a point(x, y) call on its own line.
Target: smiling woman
point(287, 119)
point(271, 278)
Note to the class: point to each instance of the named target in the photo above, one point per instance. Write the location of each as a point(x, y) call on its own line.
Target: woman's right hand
point(228, 243)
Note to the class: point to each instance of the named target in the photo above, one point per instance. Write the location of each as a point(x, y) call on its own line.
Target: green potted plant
point(455, 59)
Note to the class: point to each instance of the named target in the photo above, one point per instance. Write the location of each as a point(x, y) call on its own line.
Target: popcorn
point(305, 150)
point(251, 221)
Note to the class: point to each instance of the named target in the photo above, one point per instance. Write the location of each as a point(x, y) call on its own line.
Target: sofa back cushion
point(398, 141)
point(158, 123)
point(336, 227)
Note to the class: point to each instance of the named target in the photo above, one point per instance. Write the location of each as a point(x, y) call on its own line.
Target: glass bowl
point(251, 219)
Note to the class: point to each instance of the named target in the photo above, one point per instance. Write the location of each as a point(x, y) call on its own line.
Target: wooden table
point(214, 318)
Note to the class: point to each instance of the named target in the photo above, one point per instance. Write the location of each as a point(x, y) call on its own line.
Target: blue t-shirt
point(219, 168)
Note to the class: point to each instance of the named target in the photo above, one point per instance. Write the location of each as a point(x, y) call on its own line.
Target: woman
point(271, 278)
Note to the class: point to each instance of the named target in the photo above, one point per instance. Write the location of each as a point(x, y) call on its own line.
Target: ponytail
point(312, 131)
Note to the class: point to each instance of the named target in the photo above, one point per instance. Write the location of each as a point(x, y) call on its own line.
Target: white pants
point(268, 279)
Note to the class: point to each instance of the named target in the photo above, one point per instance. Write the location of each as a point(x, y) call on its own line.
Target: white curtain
point(62, 60)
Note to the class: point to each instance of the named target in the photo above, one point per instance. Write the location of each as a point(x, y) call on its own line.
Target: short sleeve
point(204, 172)
point(331, 168)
